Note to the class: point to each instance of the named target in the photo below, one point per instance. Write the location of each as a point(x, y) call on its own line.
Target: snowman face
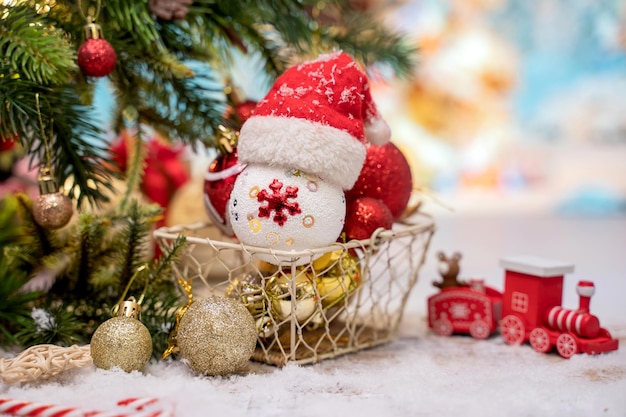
point(285, 209)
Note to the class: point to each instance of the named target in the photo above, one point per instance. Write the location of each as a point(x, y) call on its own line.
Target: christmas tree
point(168, 65)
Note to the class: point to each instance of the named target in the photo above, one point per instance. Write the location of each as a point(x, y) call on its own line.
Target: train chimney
point(585, 290)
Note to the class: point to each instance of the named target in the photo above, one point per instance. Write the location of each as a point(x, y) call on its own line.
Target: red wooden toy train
point(529, 309)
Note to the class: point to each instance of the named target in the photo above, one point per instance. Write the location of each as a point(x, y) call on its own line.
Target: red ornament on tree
point(386, 175)
point(245, 109)
point(364, 215)
point(219, 181)
point(8, 156)
point(96, 56)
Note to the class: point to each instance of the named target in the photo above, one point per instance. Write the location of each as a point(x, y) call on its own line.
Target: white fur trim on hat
point(332, 154)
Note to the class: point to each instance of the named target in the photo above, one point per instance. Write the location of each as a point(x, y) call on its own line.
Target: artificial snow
point(43, 320)
point(419, 374)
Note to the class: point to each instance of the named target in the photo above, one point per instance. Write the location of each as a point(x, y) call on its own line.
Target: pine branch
point(132, 20)
point(135, 164)
point(73, 140)
point(15, 303)
point(9, 226)
point(158, 314)
point(162, 267)
point(39, 241)
point(34, 49)
point(163, 297)
point(368, 41)
point(51, 325)
point(136, 234)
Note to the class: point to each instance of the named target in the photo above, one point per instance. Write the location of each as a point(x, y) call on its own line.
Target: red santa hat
point(318, 117)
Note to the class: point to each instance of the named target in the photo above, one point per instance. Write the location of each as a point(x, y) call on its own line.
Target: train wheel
point(566, 345)
point(540, 340)
point(443, 327)
point(512, 330)
point(479, 329)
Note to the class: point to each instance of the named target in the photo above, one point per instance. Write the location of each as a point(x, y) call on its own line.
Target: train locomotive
point(528, 310)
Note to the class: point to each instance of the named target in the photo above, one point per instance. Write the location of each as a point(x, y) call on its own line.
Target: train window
point(519, 302)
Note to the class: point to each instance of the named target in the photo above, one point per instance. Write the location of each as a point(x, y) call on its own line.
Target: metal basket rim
point(410, 226)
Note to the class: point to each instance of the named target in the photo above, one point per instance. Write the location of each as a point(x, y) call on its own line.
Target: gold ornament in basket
point(323, 303)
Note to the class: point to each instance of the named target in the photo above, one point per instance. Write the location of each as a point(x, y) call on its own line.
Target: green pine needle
point(34, 49)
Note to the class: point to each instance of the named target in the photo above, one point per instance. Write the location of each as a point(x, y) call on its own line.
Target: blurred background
point(516, 106)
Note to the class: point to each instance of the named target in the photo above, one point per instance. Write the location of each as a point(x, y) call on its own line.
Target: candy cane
point(30, 409)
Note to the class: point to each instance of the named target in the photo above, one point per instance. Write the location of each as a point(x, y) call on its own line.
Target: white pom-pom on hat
point(319, 117)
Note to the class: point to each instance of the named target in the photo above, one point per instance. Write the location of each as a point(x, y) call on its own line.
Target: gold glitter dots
point(308, 221)
point(254, 191)
point(289, 241)
point(255, 225)
point(217, 336)
point(272, 238)
point(122, 342)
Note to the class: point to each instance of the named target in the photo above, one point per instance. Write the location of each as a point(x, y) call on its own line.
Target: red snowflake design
point(277, 202)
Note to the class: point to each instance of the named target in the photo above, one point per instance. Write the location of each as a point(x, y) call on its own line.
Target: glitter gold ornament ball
point(122, 342)
point(53, 210)
point(216, 336)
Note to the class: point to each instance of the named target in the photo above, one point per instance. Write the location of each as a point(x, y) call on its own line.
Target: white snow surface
point(419, 374)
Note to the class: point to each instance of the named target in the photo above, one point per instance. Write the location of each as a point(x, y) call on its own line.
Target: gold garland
point(43, 362)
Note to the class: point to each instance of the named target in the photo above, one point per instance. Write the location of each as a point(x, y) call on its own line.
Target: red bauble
point(364, 215)
point(386, 175)
point(96, 57)
point(7, 144)
point(218, 185)
point(245, 110)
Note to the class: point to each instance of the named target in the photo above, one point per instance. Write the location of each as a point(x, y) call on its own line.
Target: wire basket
point(323, 303)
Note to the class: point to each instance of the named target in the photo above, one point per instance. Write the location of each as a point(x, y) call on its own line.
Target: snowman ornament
point(303, 146)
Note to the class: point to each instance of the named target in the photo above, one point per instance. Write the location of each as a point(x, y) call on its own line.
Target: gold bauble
point(52, 209)
point(266, 327)
point(326, 260)
point(341, 274)
point(265, 268)
point(282, 290)
point(248, 290)
point(122, 342)
point(217, 336)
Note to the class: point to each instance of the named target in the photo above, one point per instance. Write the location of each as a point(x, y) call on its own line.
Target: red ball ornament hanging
point(364, 215)
point(386, 175)
point(245, 109)
point(219, 181)
point(96, 56)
